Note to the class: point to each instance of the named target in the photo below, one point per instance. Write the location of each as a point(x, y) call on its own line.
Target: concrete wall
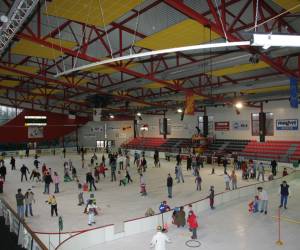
point(186, 128)
point(280, 109)
point(119, 131)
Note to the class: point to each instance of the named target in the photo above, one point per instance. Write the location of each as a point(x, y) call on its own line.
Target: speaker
point(165, 127)
point(135, 132)
point(205, 125)
point(262, 126)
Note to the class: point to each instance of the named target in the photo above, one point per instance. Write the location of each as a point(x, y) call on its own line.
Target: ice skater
point(211, 197)
point(193, 224)
point(284, 194)
point(91, 211)
point(198, 182)
point(169, 185)
point(263, 200)
point(143, 185)
point(159, 240)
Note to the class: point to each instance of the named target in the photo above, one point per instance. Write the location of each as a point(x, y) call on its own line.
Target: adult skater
point(24, 170)
point(3, 171)
point(20, 203)
point(64, 152)
point(179, 173)
point(169, 185)
point(53, 204)
point(29, 199)
point(274, 167)
point(56, 181)
point(261, 171)
point(90, 179)
point(193, 224)
point(156, 158)
point(159, 240)
point(233, 178)
point(284, 194)
point(13, 163)
point(211, 197)
point(47, 180)
point(263, 200)
point(113, 168)
point(1, 184)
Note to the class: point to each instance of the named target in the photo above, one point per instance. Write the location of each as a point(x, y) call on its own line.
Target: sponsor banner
point(35, 132)
point(190, 104)
point(96, 129)
point(287, 124)
point(240, 125)
point(222, 126)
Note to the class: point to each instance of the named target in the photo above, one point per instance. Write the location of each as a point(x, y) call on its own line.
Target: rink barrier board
point(139, 225)
point(26, 237)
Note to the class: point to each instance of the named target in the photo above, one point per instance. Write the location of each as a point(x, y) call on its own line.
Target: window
point(269, 124)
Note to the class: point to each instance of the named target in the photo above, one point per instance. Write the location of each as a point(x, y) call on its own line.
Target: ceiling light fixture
point(156, 52)
point(269, 40)
point(239, 105)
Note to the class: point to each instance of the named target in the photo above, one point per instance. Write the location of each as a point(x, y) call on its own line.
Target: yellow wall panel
point(287, 4)
point(89, 11)
point(239, 69)
point(155, 85)
point(266, 90)
point(28, 69)
point(9, 83)
point(188, 32)
point(28, 48)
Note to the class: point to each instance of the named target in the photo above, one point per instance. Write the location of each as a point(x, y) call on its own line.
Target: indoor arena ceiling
point(61, 34)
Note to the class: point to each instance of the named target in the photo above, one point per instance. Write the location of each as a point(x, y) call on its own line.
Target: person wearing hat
point(159, 240)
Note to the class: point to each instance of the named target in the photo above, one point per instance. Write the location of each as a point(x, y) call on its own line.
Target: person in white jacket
point(159, 240)
point(91, 211)
point(263, 200)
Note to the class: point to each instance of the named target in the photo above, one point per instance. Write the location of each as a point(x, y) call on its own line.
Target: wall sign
point(287, 124)
point(35, 132)
point(222, 126)
point(240, 125)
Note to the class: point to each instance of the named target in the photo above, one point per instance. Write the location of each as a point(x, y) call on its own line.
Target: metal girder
point(186, 10)
point(18, 13)
point(84, 89)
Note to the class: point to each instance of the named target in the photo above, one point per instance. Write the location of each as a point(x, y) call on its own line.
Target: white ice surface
point(117, 203)
point(229, 227)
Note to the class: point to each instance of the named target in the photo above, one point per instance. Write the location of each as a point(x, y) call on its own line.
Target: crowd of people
point(120, 172)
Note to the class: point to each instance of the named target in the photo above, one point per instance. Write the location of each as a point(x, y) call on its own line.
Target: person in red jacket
point(193, 224)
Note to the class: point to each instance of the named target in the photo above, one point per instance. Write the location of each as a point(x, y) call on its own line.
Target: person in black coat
point(274, 167)
point(169, 185)
point(3, 171)
point(47, 180)
point(90, 179)
point(13, 163)
point(24, 170)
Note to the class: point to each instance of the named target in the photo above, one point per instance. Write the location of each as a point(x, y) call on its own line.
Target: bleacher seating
point(278, 150)
point(165, 145)
point(146, 143)
point(228, 146)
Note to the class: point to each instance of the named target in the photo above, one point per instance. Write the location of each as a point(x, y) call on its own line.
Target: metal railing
point(26, 237)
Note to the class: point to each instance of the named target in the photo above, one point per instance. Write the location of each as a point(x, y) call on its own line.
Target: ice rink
point(229, 227)
point(117, 203)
